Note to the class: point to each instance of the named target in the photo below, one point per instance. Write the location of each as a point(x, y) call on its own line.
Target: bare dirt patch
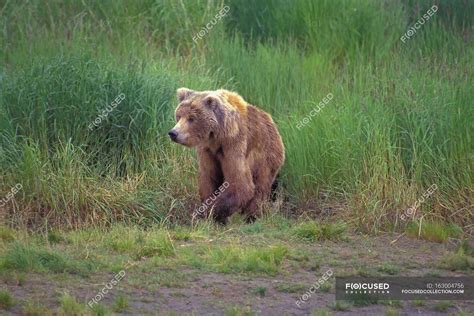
point(187, 291)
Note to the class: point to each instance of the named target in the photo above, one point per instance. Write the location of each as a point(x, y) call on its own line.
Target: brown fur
point(236, 143)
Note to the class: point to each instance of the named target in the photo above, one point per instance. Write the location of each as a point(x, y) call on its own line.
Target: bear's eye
point(178, 118)
point(190, 120)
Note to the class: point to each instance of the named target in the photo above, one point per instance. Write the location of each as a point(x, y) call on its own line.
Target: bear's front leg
point(210, 178)
point(240, 189)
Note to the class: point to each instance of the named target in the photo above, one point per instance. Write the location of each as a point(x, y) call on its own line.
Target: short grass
point(6, 233)
point(314, 231)
point(291, 287)
point(434, 230)
point(70, 306)
point(390, 311)
point(121, 303)
point(392, 303)
point(101, 310)
point(205, 247)
point(361, 300)
point(389, 268)
point(205, 250)
point(325, 287)
point(321, 312)
point(158, 244)
point(460, 260)
point(260, 291)
point(418, 303)
point(340, 306)
point(35, 308)
point(26, 258)
point(239, 311)
point(6, 300)
point(236, 259)
point(443, 306)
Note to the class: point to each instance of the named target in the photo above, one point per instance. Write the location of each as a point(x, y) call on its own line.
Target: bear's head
point(203, 117)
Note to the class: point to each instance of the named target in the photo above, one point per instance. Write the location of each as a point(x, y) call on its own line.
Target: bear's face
point(197, 117)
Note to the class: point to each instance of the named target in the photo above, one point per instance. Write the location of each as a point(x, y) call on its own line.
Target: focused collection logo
point(364, 288)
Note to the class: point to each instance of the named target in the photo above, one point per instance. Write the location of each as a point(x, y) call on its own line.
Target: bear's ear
point(184, 93)
point(211, 102)
point(214, 104)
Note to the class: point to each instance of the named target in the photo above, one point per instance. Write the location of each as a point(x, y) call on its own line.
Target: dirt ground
point(188, 291)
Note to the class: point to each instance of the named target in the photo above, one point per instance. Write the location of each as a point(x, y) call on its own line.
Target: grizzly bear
point(239, 150)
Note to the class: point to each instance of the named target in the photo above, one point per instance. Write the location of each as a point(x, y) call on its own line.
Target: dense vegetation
point(400, 119)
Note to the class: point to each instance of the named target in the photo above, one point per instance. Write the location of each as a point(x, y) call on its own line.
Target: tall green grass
point(400, 120)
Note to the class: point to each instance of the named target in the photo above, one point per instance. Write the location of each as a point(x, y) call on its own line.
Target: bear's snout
point(173, 135)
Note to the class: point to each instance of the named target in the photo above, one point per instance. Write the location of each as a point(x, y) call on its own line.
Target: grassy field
point(400, 119)
point(390, 153)
point(258, 269)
